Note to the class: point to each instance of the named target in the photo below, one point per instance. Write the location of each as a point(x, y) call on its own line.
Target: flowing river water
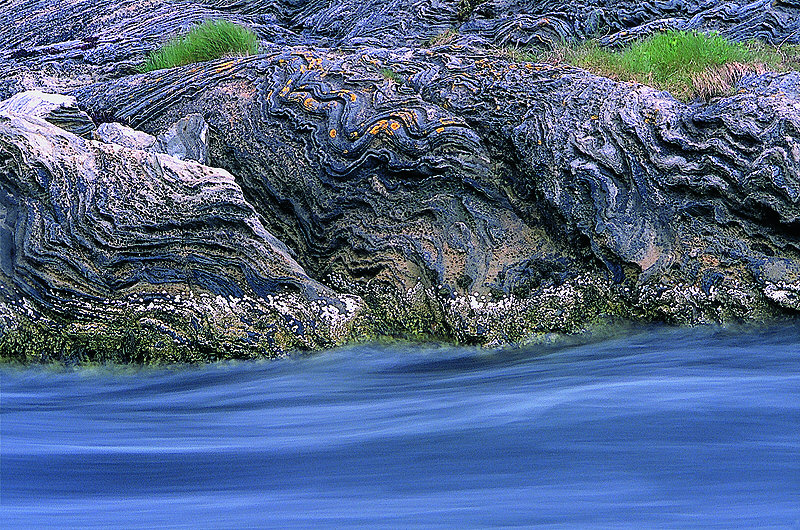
point(656, 427)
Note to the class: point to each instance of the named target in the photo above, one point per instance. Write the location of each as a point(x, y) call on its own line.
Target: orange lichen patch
point(313, 62)
point(310, 103)
point(595, 118)
point(347, 94)
point(409, 118)
point(440, 130)
point(448, 121)
point(386, 126)
point(332, 133)
point(224, 66)
point(379, 126)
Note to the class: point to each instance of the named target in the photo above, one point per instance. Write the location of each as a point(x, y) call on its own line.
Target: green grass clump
point(388, 73)
point(688, 64)
point(210, 40)
point(448, 36)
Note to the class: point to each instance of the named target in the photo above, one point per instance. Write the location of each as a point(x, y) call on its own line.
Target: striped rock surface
point(405, 189)
point(105, 239)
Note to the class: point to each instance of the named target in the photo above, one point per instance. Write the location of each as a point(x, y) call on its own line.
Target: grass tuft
point(687, 64)
point(210, 40)
point(388, 73)
point(448, 36)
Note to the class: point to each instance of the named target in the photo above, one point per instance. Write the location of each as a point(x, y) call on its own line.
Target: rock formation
point(104, 240)
point(392, 188)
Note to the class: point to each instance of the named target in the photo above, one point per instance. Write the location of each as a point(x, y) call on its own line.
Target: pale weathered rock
point(116, 133)
point(96, 234)
point(59, 110)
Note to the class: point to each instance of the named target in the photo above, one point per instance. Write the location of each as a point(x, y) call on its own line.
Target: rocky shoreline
point(353, 182)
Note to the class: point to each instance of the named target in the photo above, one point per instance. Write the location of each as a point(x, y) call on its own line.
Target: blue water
point(659, 428)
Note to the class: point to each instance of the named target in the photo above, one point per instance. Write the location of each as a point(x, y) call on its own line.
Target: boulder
point(116, 133)
point(186, 139)
point(366, 177)
point(58, 109)
point(512, 197)
point(107, 242)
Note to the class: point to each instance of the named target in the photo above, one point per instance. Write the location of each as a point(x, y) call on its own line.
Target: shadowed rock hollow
point(439, 192)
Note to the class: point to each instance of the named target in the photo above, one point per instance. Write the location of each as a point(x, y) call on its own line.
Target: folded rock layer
point(360, 183)
point(98, 238)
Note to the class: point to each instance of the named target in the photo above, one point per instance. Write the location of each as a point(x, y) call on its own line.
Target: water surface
point(661, 427)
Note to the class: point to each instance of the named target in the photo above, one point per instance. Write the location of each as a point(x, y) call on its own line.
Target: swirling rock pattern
point(482, 179)
point(179, 250)
point(57, 109)
point(61, 45)
point(448, 192)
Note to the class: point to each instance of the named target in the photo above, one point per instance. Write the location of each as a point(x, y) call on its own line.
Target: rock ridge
point(353, 182)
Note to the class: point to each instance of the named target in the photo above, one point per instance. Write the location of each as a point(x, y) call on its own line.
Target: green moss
point(392, 315)
point(210, 40)
point(521, 55)
point(466, 7)
point(121, 341)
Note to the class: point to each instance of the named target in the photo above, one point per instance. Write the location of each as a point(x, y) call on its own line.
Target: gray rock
point(46, 41)
point(58, 109)
point(186, 139)
point(116, 133)
point(461, 195)
point(516, 197)
point(94, 235)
